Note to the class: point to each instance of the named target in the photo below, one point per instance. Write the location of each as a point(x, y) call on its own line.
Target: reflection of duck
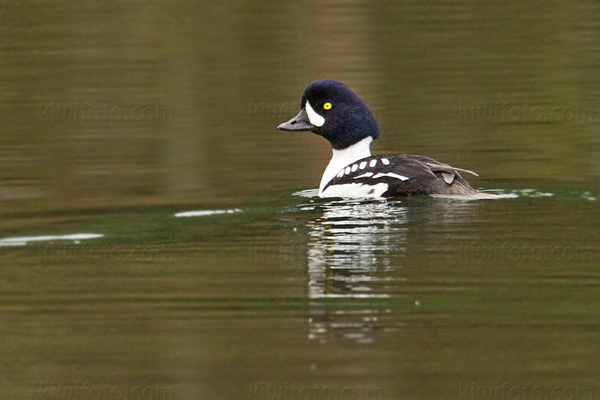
point(355, 252)
point(347, 245)
point(330, 109)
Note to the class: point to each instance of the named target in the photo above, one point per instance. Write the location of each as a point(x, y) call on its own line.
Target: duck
point(330, 109)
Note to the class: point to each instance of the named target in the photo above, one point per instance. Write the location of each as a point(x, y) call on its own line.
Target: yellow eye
point(327, 106)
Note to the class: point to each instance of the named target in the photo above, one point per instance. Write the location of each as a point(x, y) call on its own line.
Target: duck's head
point(330, 109)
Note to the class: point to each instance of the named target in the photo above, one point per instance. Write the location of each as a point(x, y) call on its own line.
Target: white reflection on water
point(203, 213)
point(356, 250)
point(24, 240)
point(349, 243)
point(350, 252)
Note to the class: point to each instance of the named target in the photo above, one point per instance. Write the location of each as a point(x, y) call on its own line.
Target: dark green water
point(118, 116)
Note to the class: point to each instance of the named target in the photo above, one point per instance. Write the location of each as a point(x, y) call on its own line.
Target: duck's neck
point(342, 158)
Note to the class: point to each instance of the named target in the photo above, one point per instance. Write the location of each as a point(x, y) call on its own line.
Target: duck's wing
point(448, 172)
point(436, 165)
point(401, 175)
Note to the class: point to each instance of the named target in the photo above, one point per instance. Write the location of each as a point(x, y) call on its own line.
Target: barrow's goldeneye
point(330, 109)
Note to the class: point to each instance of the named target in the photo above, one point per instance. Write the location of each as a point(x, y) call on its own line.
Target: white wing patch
point(391, 175)
point(365, 175)
point(373, 163)
point(313, 117)
point(385, 161)
point(354, 167)
point(355, 190)
point(363, 165)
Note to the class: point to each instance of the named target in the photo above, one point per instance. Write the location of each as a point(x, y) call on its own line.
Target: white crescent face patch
point(313, 117)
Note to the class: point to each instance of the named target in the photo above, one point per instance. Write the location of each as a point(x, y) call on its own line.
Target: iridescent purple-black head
point(330, 109)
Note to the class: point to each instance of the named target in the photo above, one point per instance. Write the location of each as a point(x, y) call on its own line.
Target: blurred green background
point(437, 75)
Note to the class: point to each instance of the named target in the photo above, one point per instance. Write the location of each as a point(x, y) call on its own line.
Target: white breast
point(343, 158)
